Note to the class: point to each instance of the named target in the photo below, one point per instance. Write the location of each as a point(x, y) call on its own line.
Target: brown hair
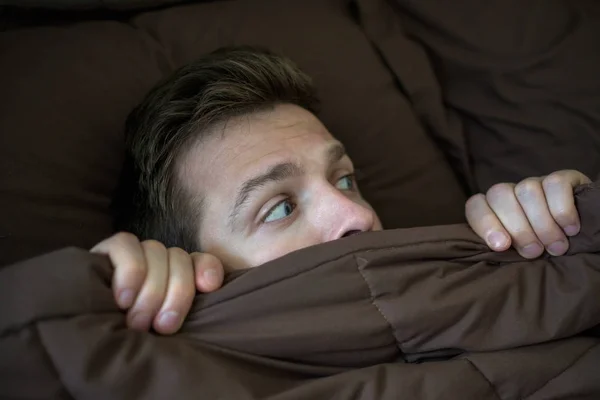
point(182, 109)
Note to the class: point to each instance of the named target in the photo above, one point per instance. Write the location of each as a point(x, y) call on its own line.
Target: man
point(227, 157)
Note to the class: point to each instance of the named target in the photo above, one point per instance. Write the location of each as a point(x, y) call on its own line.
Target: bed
point(434, 101)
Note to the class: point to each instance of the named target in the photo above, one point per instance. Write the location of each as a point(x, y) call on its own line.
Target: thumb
point(208, 272)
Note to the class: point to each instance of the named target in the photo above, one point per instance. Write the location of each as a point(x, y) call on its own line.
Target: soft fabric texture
point(68, 90)
point(526, 99)
point(88, 4)
point(523, 76)
point(422, 313)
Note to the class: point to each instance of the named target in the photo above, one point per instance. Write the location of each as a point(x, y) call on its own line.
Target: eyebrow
point(335, 153)
point(277, 173)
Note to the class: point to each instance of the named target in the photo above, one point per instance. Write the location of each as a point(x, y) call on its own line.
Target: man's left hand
point(535, 215)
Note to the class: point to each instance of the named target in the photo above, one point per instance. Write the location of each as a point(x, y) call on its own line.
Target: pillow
point(88, 4)
point(524, 76)
point(67, 91)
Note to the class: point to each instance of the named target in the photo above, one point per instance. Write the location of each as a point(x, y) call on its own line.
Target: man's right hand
point(157, 285)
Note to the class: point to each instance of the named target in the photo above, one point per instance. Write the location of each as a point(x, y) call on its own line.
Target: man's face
point(273, 182)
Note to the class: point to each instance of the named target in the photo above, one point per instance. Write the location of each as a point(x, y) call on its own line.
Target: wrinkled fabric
point(88, 4)
point(521, 74)
point(80, 79)
point(422, 313)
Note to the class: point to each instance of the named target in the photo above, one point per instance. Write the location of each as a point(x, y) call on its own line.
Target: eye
point(282, 210)
point(346, 183)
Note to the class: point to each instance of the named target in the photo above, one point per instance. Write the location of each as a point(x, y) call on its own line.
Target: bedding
point(67, 89)
point(523, 77)
point(432, 101)
point(421, 313)
point(89, 4)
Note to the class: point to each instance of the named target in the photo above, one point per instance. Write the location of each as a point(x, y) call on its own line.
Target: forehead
point(246, 145)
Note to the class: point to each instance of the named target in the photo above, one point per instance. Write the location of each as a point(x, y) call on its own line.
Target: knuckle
point(523, 237)
point(554, 179)
point(185, 291)
point(134, 269)
point(207, 261)
point(499, 190)
point(154, 245)
point(151, 299)
point(126, 246)
point(474, 201)
point(564, 215)
point(583, 177)
point(178, 252)
point(526, 188)
point(550, 235)
point(124, 238)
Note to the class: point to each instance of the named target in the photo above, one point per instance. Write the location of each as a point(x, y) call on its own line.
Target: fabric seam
point(353, 253)
point(374, 303)
point(562, 371)
point(35, 327)
point(484, 377)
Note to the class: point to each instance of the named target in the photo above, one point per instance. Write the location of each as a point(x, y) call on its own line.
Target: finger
point(153, 290)
point(180, 292)
point(504, 203)
point(532, 199)
point(209, 272)
point(127, 257)
point(486, 224)
point(558, 189)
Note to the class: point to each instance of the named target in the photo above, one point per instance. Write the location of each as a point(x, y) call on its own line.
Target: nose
point(349, 217)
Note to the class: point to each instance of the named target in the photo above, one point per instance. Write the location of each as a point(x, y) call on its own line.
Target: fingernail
point(126, 298)
point(169, 320)
point(532, 250)
point(140, 321)
point(558, 248)
point(572, 230)
point(212, 277)
point(497, 240)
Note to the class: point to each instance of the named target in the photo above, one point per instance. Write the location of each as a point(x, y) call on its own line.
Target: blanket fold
point(417, 313)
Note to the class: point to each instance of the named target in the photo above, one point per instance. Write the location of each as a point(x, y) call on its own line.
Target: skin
point(314, 201)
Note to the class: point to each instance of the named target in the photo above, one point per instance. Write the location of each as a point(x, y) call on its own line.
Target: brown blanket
point(426, 313)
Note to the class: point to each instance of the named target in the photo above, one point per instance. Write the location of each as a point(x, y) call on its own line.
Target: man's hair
point(180, 111)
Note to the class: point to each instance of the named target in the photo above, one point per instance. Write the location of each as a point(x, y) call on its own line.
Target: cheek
point(266, 254)
point(270, 250)
point(217, 240)
point(269, 246)
point(241, 253)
